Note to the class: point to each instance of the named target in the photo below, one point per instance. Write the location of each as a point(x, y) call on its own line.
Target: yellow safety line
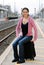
point(35, 61)
point(31, 61)
point(17, 64)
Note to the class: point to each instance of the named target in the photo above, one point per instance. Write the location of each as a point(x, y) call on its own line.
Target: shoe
point(14, 60)
point(19, 62)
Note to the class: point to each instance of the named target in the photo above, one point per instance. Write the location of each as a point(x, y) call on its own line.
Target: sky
point(18, 4)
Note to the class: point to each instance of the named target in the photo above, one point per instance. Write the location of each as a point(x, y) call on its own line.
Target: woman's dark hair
point(25, 9)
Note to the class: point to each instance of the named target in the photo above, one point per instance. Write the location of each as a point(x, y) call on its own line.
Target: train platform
point(7, 57)
point(39, 59)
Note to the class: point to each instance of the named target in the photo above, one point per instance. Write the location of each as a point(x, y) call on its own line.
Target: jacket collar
point(22, 18)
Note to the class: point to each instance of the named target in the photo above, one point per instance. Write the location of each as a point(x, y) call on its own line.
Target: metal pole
point(39, 8)
point(3, 2)
point(39, 5)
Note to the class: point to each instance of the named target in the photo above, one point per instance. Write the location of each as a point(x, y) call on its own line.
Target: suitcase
point(29, 50)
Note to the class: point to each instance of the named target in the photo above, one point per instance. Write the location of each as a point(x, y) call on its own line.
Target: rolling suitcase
point(29, 50)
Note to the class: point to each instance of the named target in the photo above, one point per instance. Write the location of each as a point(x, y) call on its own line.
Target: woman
point(25, 25)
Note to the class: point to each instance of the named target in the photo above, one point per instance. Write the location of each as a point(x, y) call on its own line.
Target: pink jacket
point(31, 25)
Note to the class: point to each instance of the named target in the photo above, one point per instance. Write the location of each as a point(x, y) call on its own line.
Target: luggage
point(29, 50)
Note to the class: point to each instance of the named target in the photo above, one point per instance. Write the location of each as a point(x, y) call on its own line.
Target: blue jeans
point(20, 41)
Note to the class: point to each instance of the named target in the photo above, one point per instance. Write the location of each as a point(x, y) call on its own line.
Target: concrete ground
point(39, 59)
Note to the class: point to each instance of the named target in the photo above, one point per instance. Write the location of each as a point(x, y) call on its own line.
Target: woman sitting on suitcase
point(25, 25)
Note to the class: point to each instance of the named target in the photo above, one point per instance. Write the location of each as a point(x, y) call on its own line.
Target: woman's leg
point(15, 47)
point(21, 49)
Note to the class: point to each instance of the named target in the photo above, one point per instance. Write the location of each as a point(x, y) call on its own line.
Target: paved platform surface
point(41, 24)
point(39, 59)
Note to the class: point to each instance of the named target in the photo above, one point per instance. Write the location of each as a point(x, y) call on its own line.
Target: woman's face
point(25, 13)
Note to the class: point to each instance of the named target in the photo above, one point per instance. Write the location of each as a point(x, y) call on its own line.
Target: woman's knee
point(14, 44)
point(20, 43)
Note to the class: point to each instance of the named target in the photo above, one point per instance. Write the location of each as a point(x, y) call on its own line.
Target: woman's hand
point(32, 40)
point(20, 34)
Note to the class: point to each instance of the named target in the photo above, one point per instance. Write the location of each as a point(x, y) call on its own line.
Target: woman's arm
point(18, 27)
point(35, 30)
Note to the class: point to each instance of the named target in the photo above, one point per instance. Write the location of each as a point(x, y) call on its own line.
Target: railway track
point(6, 37)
